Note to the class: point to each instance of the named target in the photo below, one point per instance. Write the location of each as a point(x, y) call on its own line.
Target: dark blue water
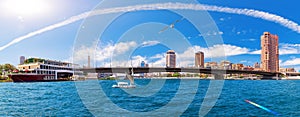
point(151, 97)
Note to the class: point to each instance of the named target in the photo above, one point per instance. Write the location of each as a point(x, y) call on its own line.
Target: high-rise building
point(199, 59)
point(285, 70)
point(143, 64)
point(237, 66)
point(256, 65)
point(269, 52)
point(89, 61)
point(225, 65)
point(22, 59)
point(171, 59)
point(211, 65)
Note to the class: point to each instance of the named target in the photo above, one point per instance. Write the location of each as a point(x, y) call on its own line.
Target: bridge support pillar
point(268, 77)
point(218, 76)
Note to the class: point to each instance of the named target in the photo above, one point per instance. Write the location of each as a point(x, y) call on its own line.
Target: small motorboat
point(123, 85)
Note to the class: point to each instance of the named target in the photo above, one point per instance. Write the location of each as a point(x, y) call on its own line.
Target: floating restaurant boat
point(42, 70)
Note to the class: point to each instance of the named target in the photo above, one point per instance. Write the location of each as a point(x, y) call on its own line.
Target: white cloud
point(225, 18)
point(122, 47)
point(159, 63)
point(284, 49)
point(159, 6)
point(149, 43)
point(221, 33)
point(187, 57)
point(184, 59)
point(157, 56)
point(291, 62)
point(252, 39)
point(289, 49)
point(255, 52)
point(80, 55)
point(102, 53)
point(280, 63)
point(225, 49)
point(243, 61)
point(134, 61)
point(110, 50)
point(108, 55)
point(211, 33)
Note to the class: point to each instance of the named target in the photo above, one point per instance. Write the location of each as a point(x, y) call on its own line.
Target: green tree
point(7, 67)
point(176, 74)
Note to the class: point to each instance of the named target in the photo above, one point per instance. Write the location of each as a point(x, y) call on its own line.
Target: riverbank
point(5, 79)
point(184, 78)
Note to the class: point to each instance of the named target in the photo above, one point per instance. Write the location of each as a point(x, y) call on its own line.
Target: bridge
point(218, 73)
point(292, 74)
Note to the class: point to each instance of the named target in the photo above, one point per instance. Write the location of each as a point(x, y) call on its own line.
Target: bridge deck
point(161, 69)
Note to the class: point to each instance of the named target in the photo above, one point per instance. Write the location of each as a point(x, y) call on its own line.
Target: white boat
point(44, 70)
point(293, 77)
point(125, 84)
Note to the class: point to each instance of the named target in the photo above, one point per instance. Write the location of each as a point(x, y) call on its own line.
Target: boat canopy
point(122, 83)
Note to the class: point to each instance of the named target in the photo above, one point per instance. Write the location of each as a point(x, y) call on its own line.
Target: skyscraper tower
point(89, 61)
point(171, 59)
point(199, 59)
point(269, 52)
point(143, 64)
point(22, 59)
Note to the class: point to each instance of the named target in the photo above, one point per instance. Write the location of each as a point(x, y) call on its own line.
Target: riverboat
point(42, 70)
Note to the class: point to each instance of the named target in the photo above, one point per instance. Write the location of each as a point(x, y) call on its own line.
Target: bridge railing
point(163, 69)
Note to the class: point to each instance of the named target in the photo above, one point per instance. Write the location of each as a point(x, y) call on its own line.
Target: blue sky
point(134, 34)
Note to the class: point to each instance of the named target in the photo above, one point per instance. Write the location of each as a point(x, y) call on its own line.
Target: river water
point(159, 97)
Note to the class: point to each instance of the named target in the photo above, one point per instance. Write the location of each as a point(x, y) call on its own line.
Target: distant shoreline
point(164, 78)
point(6, 80)
point(197, 78)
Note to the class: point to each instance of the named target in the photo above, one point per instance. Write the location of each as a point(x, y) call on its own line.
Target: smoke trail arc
point(162, 6)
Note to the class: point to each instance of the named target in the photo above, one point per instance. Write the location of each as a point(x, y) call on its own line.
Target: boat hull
point(123, 85)
point(35, 78)
point(129, 86)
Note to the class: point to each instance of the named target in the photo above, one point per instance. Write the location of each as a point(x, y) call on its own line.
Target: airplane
point(171, 25)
